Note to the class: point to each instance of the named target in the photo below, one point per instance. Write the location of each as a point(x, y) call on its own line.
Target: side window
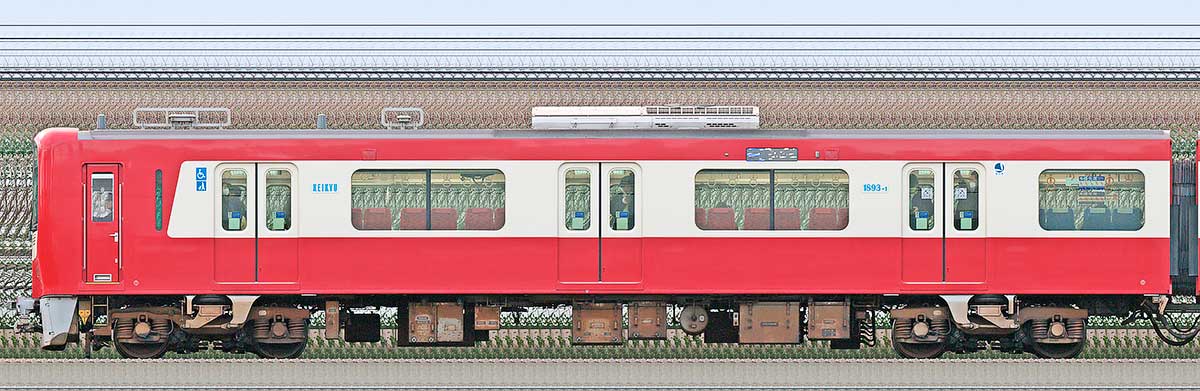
point(466, 200)
point(1091, 200)
point(102, 197)
point(279, 200)
point(621, 199)
point(733, 199)
point(158, 195)
point(921, 195)
point(233, 199)
point(811, 200)
point(966, 199)
point(427, 199)
point(388, 199)
point(578, 207)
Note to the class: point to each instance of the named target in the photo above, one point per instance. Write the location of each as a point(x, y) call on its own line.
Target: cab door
point(102, 226)
point(234, 244)
point(278, 241)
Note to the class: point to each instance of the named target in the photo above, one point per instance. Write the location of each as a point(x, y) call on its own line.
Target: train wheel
point(280, 337)
point(280, 350)
point(1059, 350)
point(915, 350)
point(919, 350)
point(140, 350)
point(142, 337)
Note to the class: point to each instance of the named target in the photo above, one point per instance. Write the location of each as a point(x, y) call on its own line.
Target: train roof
point(267, 134)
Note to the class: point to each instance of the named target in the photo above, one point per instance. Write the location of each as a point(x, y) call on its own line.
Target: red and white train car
point(156, 240)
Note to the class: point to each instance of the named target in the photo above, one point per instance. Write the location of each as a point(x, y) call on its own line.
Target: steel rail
point(616, 374)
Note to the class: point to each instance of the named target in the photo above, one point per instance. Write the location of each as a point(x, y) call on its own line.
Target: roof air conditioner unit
point(647, 117)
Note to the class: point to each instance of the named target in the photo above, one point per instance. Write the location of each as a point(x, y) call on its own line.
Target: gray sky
point(616, 11)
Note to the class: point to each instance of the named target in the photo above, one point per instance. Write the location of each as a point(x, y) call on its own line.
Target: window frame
point(428, 174)
point(1038, 183)
point(772, 196)
point(245, 212)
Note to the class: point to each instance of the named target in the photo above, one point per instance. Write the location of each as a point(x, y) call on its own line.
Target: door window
point(921, 194)
point(102, 197)
point(578, 206)
point(233, 199)
point(621, 199)
point(279, 200)
point(966, 199)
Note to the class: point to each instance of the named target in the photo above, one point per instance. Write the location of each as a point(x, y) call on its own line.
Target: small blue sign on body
point(201, 178)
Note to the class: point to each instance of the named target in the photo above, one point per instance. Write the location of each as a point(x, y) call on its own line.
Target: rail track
point(1007, 374)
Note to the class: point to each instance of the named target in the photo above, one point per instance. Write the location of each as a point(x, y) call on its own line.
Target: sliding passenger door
point(943, 238)
point(921, 242)
point(965, 235)
point(278, 240)
point(234, 234)
point(578, 230)
point(621, 235)
point(599, 235)
point(255, 240)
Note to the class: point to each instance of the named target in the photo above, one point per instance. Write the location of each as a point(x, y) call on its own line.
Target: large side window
point(466, 200)
point(772, 200)
point(1091, 200)
point(733, 199)
point(427, 199)
point(233, 199)
point(811, 200)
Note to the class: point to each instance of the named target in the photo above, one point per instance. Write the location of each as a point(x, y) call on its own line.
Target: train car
point(168, 240)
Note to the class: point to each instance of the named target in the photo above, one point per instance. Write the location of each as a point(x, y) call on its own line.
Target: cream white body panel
point(667, 200)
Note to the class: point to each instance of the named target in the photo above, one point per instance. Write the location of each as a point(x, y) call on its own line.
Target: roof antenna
point(101, 122)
